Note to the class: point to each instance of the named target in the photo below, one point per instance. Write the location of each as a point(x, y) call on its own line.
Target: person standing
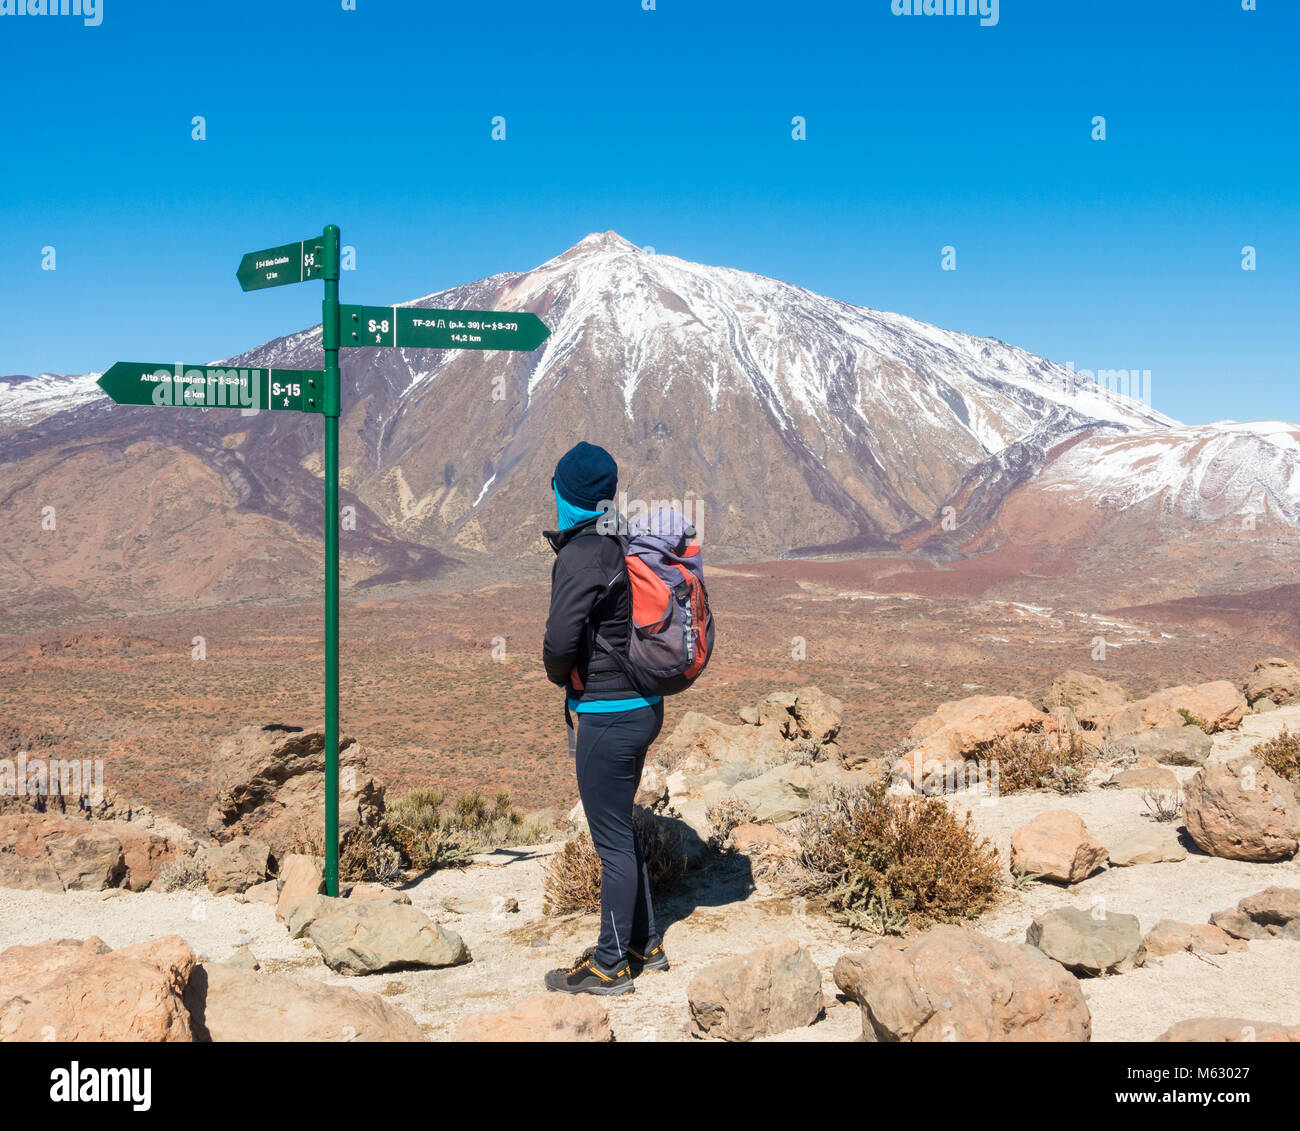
point(611, 724)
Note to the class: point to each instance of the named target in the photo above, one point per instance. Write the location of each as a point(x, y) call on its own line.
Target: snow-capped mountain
point(791, 421)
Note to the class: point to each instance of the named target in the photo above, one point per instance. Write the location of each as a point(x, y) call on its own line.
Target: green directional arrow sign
point(279, 266)
point(214, 386)
point(419, 327)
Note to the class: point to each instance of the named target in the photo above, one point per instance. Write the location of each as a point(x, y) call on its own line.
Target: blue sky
point(672, 127)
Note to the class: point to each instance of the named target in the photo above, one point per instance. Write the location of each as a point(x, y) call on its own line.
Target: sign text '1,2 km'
point(418, 327)
point(213, 386)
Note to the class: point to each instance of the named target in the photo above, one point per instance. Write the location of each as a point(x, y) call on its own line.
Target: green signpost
point(214, 386)
point(419, 327)
point(279, 266)
point(319, 391)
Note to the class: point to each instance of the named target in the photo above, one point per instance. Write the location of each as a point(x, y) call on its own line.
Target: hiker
point(611, 722)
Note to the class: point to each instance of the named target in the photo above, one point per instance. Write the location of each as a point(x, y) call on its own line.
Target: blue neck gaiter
point(567, 514)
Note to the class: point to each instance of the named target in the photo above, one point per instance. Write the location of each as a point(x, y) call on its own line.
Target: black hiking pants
point(610, 752)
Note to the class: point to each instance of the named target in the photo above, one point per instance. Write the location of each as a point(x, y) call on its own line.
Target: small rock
point(1172, 937)
point(1172, 746)
point(1088, 945)
point(1275, 680)
point(1217, 1029)
point(757, 994)
point(749, 715)
point(365, 938)
point(1273, 906)
point(544, 1018)
point(1056, 846)
point(1145, 777)
point(268, 891)
point(1151, 844)
point(300, 878)
point(1239, 925)
point(236, 866)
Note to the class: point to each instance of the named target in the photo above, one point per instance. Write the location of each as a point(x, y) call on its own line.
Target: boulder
point(236, 866)
point(1219, 1029)
point(817, 716)
point(1241, 810)
point(961, 729)
point(754, 995)
point(1091, 699)
point(542, 1018)
point(367, 937)
point(270, 784)
point(229, 1003)
point(780, 794)
point(45, 851)
point(1172, 937)
point(1056, 846)
point(1153, 778)
point(1150, 844)
point(1219, 705)
point(145, 853)
point(80, 990)
point(952, 984)
point(1275, 679)
point(1088, 944)
point(300, 878)
point(699, 743)
point(1173, 746)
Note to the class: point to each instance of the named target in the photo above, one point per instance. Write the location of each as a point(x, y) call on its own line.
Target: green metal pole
point(330, 341)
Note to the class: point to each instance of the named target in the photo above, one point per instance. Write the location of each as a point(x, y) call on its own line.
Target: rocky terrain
point(1149, 889)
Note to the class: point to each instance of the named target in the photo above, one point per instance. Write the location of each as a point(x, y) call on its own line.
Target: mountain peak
point(600, 241)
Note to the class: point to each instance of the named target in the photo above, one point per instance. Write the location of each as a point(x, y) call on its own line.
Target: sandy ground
point(722, 914)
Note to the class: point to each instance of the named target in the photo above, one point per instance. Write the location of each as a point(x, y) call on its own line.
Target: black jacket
point(589, 594)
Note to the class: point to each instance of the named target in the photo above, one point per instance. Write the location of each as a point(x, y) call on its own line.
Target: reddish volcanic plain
point(429, 688)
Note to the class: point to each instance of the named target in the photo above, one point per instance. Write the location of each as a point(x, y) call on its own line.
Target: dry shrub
point(184, 873)
point(365, 851)
point(885, 862)
point(1030, 760)
point(572, 880)
point(723, 818)
point(1281, 754)
point(429, 833)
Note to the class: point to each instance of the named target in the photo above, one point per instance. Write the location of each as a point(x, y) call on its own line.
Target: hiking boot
point(652, 957)
point(587, 976)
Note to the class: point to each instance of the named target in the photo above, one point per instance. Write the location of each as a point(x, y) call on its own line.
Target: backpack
point(670, 637)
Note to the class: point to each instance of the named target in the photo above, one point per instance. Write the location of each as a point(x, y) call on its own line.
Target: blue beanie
point(587, 476)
